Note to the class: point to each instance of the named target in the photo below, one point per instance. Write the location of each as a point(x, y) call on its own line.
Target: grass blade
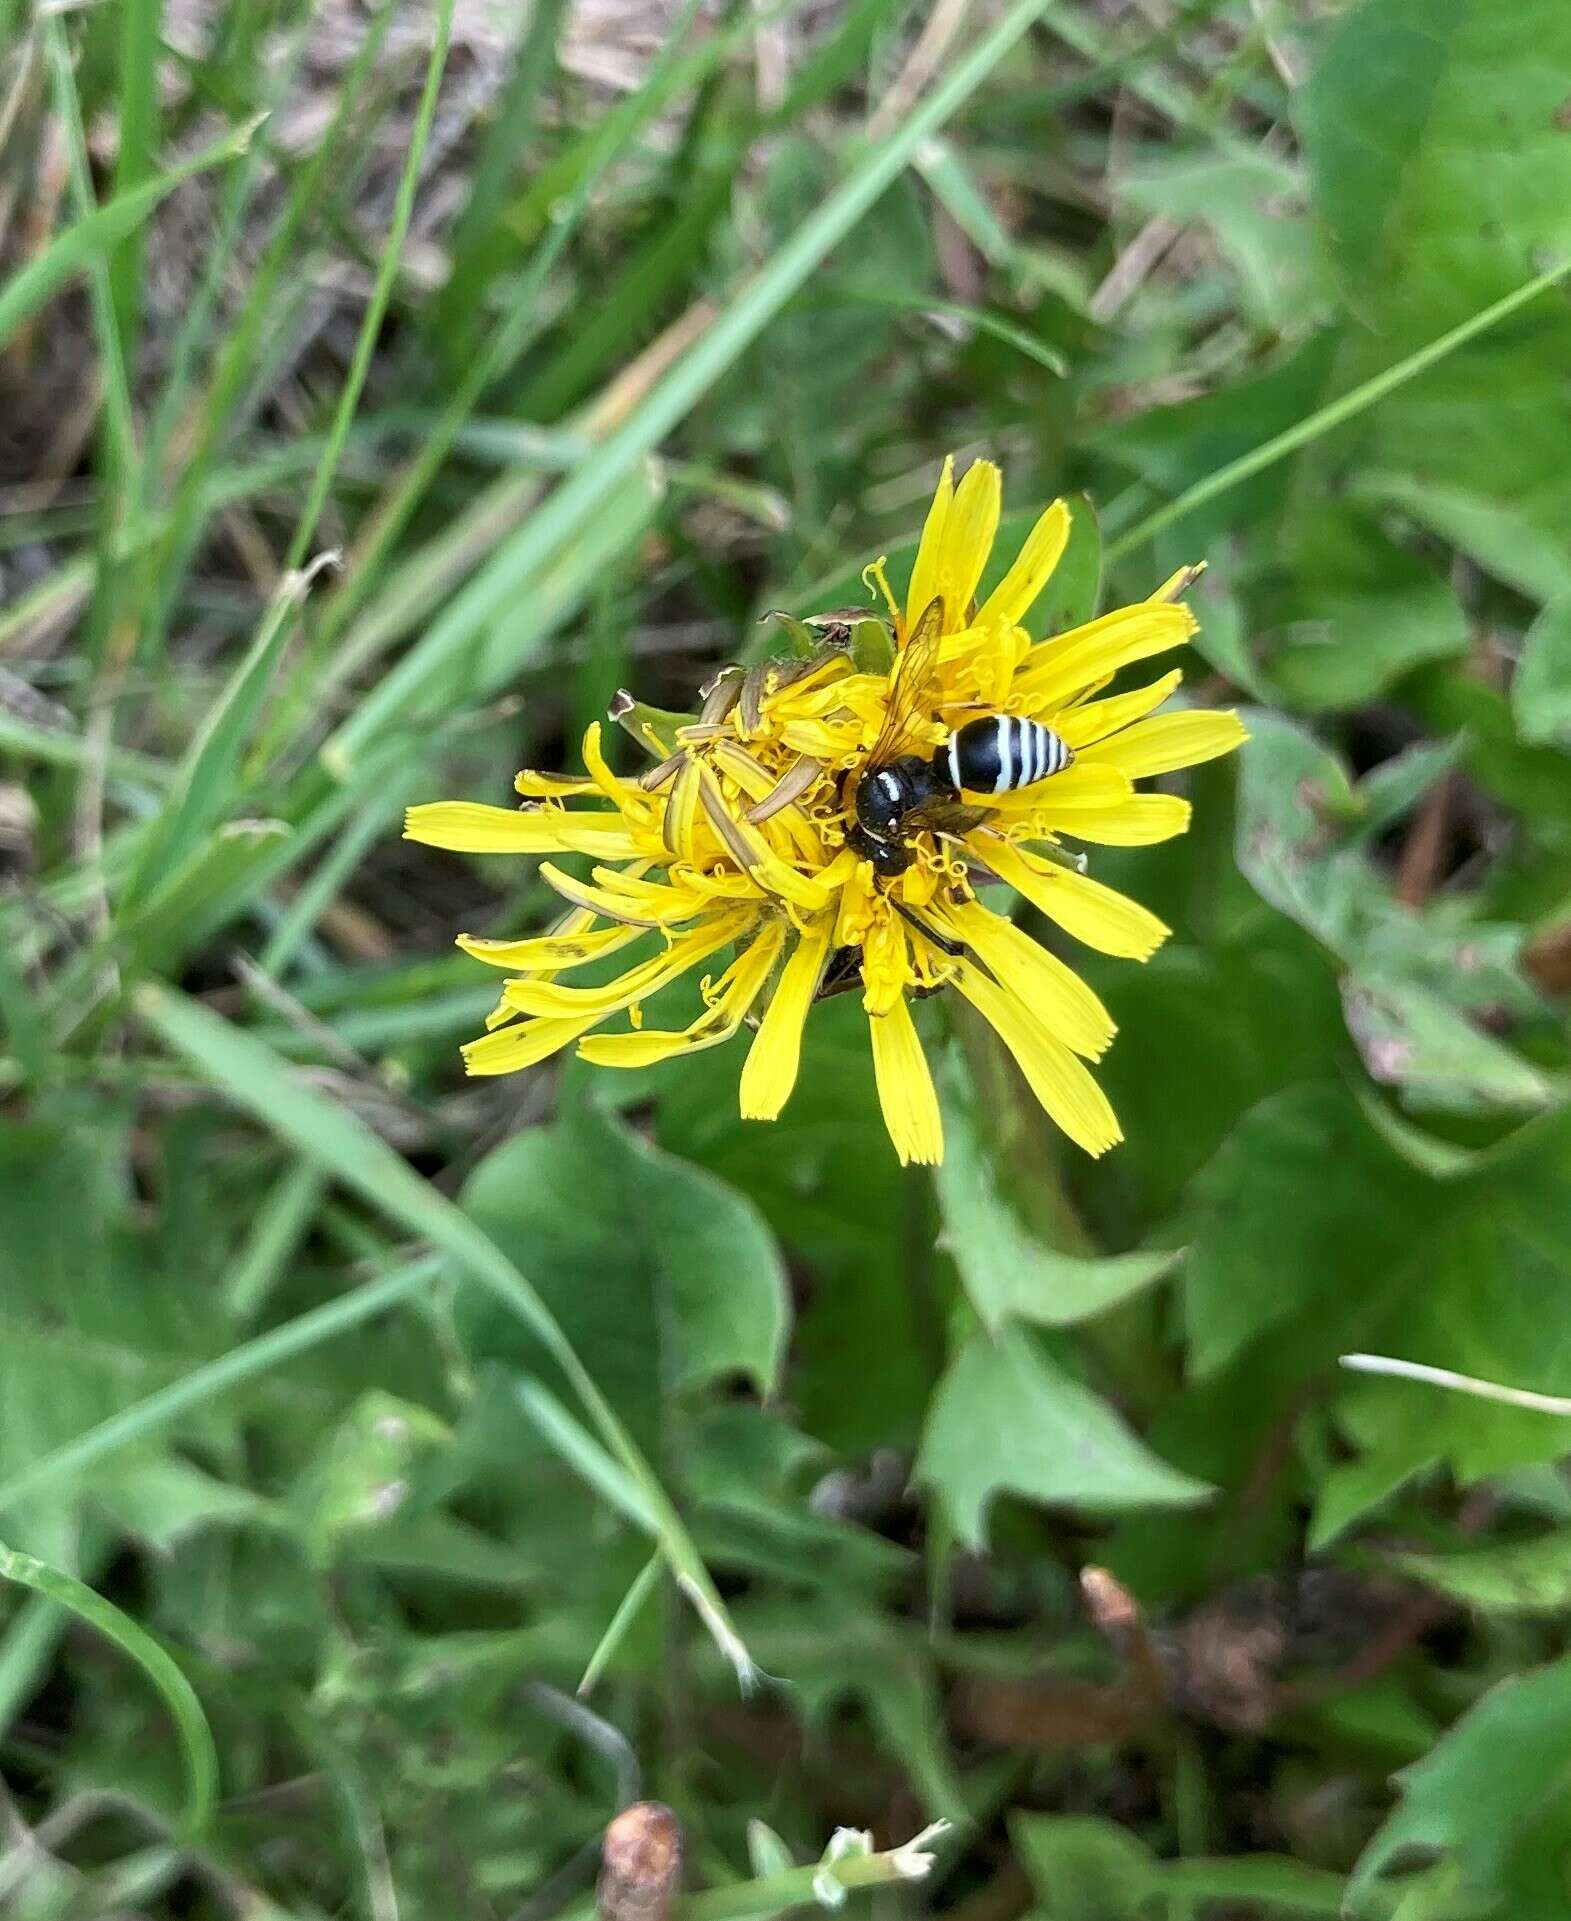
point(149, 1416)
point(30, 1639)
point(286, 1212)
point(96, 234)
point(578, 497)
point(584, 1454)
point(1010, 332)
point(566, 578)
point(244, 350)
point(28, 740)
point(121, 482)
point(342, 1145)
point(196, 1738)
point(478, 233)
point(499, 351)
point(140, 25)
point(627, 1612)
point(206, 780)
point(371, 325)
point(1334, 413)
point(204, 792)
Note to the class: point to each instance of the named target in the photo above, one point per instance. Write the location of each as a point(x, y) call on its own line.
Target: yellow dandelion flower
point(830, 822)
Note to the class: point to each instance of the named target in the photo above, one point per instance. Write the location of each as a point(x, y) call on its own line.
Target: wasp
point(900, 792)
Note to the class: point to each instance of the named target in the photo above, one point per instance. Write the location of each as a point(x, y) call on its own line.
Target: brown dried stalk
point(641, 1864)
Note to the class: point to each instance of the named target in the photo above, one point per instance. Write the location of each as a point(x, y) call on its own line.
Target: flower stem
point(791, 1890)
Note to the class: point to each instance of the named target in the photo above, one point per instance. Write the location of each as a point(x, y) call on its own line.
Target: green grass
point(377, 396)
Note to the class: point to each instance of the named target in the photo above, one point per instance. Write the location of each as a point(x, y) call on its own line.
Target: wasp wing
point(913, 671)
point(946, 815)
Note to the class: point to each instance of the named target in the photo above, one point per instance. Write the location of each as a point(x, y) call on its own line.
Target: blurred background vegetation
point(584, 332)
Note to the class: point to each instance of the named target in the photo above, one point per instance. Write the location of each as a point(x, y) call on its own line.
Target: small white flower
point(913, 1861)
point(827, 1891)
point(845, 1844)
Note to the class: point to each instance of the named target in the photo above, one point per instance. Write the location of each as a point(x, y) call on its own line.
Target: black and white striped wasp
point(900, 792)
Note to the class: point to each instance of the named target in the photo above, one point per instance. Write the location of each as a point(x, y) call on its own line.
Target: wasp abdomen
point(1002, 752)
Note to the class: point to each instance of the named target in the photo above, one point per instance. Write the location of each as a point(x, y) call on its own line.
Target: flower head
point(744, 847)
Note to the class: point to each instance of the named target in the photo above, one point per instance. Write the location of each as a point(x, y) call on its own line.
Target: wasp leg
point(945, 943)
point(843, 973)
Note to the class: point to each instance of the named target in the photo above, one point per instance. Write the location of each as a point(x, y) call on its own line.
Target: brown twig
point(1424, 850)
point(1421, 1613)
point(1137, 260)
point(924, 61)
point(1117, 1618)
point(1546, 960)
point(1075, 1714)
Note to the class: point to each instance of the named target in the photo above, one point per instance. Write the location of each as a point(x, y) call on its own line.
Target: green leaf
point(1293, 793)
point(164, 1500)
point(1265, 1883)
point(1321, 423)
point(1084, 1868)
point(767, 1854)
point(1239, 195)
point(1498, 537)
point(1266, 1235)
point(1180, 450)
point(1389, 792)
point(1355, 1489)
point(1450, 1273)
point(360, 1476)
point(1541, 686)
point(1221, 641)
point(1228, 1024)
point(1070, 597)
point(835, 1650)
point(1409, 1035)
point(1480, 1790)
point(567, 1436)
point(828, 1183)
point(1514, 1577)
point(1355, 613)
point(1441, 175)
point(1416, 983)
point(1418, 113)
point(751, 1479)
point(85, 1444)
point(336, 1140)
point(89, 1322)
point(196, 1739)
point(1006, 1270)
point(687, 1285)
point(1006, 1418)
point(1087, 1868)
